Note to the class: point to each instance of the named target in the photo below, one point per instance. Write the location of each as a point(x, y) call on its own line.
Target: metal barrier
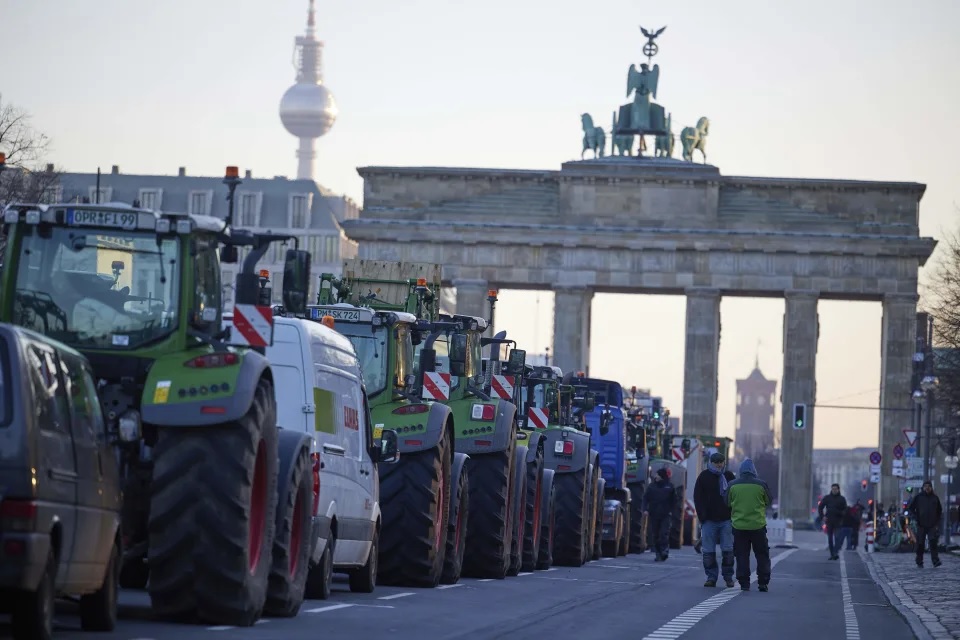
point(780, 531)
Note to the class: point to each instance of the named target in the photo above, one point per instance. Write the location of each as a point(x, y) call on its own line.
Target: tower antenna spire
point(756, 361)
point(312, 18)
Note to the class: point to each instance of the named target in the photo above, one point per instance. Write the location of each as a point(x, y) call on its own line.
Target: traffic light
point(657, 407)
point(799, 416)
point(909, 489)
point(863, 485)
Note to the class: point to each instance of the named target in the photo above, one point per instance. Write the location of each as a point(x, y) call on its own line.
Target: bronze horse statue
point(593, 137)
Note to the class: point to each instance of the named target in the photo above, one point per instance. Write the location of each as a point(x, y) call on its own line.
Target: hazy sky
point(859, 89)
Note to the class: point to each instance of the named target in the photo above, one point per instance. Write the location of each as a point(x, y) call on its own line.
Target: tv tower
point(307, 109)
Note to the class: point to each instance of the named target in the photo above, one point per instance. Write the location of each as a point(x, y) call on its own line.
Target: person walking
point(748, 498)
point(730, 476)
point(659, 501)
point(710, 501)
point(856, 518)
point(927, 513)
point(832, 508)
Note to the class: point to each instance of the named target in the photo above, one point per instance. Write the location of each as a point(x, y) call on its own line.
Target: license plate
point(114, 219)
point(345, 315)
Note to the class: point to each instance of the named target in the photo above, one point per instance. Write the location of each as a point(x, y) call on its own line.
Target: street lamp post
point(929, 386)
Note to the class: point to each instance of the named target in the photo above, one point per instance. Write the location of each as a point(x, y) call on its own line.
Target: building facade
point(756, 411)
point(845, 467)
point(301, 208)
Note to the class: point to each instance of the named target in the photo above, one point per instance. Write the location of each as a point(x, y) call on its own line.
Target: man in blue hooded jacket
point(748, 498)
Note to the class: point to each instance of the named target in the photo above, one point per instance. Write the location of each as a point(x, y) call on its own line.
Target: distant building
point(756, 409)
point(301, 208)
point(845, 467)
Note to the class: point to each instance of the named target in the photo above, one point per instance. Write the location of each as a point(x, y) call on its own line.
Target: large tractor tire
point(534, 516)
point(458, 521)
point(548, 516)
point(624, 547)
point(414, 499)
point(573, 517)
point(637, 542)
point(291, 545)
point(214, 496)
point(598, 520)
point(491, 515)
point(611, 547)
point(519, 510)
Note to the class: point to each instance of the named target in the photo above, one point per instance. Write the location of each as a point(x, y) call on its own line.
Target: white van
point(319, 389)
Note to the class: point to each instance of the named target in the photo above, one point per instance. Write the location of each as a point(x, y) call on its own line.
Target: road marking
point(396, 595)
point(332, 607)
point(616, 566)
point(686, 620)
point(449, 586)
point(485, 580)
point(262, 621)
point(849, 615)
point(525, 573)
point(376, 606)
point(220, 628)
point(635, 584)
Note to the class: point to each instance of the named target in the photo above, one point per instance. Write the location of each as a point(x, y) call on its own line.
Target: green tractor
point(553, 409)
point(376, 308)
point(206, 474)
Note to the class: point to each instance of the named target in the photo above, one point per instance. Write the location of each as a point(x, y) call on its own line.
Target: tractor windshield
point(370, 344)
point(97, 289)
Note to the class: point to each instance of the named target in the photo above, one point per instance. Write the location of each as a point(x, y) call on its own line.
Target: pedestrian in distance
point(659, 501)
point(749, 498)
point(845, 536)
point(710, 501)
point(730, 476)
point(927, 513)
point(832, 508)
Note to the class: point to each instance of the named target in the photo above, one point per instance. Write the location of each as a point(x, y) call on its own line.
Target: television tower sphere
point(308, 110)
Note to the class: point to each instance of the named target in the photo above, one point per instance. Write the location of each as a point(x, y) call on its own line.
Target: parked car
point(60, 492)
point(320, 391)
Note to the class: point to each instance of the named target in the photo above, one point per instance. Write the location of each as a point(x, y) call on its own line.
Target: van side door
point(57, 474)
point(369, 482)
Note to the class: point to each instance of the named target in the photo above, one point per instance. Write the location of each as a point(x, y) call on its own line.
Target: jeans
point(660, 527)
point(711, 535)
point(933, 535)
point(844, 535)
point(743, 540)
point(832, 531)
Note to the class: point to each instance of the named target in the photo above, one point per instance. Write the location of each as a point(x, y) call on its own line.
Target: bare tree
point(26, 178)
point(943, 302)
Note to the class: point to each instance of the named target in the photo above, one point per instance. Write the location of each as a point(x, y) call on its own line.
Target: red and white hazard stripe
point(538, 418)
point(502, 387)
point(436, 386)
point(253, 324)
point(678, 454)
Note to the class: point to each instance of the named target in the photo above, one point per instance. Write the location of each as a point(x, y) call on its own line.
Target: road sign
point(898, 472)
point(874, 478)
point(951, 462)
point(874, 468)
point(897, 464)
point(875, 457)
point(898, 452)
point(911, 437)
point(911, 452)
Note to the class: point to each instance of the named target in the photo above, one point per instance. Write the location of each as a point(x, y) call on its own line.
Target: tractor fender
point(499, 439)
point(162, 404)
point(545, 491)
point(459, 466)
point(534, 444)
point(566, 464)
point(437, 420)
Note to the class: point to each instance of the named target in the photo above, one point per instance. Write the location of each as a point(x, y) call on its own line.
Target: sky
point(864, 89)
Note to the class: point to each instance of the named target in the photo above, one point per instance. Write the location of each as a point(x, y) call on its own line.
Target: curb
point(905, 609)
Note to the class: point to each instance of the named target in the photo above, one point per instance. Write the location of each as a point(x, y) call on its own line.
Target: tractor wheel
point(624, 547)
point(549, 515)
point(519, 510)
point(610, 547)
point(491, 515)
point(291, 546)
point(534, 519)
point(598, 520)
point(457, 529)
point(572, 532)
point(414, 503)
point(637, 543)
point(214, 496)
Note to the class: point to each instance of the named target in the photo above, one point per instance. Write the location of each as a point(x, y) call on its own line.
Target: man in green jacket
point(749, 497)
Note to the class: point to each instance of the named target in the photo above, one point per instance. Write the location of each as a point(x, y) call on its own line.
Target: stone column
point(472, 298)
point(898, 344)
point(700, 362)
point(801, 331)
point(571, 328)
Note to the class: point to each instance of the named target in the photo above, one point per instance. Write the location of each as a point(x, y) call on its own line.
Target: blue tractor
point(608, 436)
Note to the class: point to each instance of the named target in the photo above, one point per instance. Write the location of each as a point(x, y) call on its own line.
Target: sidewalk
point(927, 597)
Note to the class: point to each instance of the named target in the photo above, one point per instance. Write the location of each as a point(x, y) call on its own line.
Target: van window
point(350, 425)
point(6, 393)
point(53, 406)
point(82, 411)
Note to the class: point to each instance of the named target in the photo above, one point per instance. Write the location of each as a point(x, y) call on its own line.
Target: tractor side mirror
point(516, 361)
point(118, 266)
point(389, 450)
point(296, 281)
point(458, 355)
point(605, 419)
point(229, 255)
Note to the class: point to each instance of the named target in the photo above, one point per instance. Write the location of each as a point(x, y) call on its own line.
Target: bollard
point(788, 534)
point(869, 534)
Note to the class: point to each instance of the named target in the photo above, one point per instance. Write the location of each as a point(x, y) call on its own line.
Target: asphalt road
point(628, 597)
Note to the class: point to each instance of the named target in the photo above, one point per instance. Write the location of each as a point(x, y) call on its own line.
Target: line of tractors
point(504, 466)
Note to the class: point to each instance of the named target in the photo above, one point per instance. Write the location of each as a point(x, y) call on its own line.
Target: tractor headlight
point(129, 426)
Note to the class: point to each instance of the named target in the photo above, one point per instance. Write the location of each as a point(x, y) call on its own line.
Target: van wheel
point(320, 578)
point(291, 546)
point(212, 506)
point(364, 579)
point(33, 615)
point(98, 610)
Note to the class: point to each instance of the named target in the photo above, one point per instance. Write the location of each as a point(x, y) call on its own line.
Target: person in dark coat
point(832, 508)
point(659, 502)
point(710, 501)
point(927, 513)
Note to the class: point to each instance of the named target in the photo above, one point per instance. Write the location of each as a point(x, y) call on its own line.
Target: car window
point(6, 393)
point(52, 406)
point(81, 408)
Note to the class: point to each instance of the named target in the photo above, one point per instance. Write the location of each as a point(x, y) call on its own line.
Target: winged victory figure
point(643, 84)
point(652, 36)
